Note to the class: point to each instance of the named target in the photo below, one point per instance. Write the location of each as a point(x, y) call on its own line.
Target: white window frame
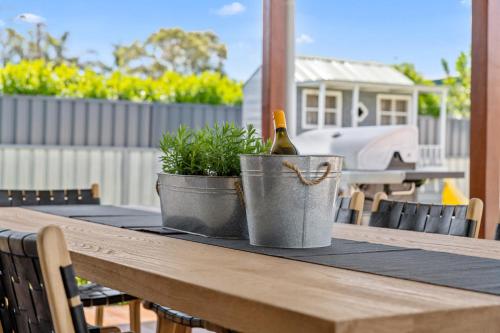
point(306, 92)
point(393, 113)
point(337, 110)
point(321, 113)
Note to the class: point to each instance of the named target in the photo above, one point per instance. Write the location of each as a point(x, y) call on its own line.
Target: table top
point(257, 293)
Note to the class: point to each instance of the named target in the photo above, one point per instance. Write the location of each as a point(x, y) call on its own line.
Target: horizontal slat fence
point(42, 120)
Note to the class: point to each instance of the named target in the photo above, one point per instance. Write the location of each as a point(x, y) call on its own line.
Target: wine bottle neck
point(281, 131)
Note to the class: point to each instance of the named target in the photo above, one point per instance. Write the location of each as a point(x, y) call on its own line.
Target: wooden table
point(256, 293)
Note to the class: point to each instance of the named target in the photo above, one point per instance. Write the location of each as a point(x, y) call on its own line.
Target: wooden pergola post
point(485, 111)
point(485, 94)
point(277, 63)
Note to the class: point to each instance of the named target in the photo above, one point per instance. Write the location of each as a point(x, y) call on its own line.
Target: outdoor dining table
point(253, 292)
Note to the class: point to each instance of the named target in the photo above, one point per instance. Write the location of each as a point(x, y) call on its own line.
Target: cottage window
point(393, 109)
point(312, 108)
point(332, 109)
point(311, 114)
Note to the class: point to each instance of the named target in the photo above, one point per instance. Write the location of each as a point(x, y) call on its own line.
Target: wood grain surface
point(256, 293)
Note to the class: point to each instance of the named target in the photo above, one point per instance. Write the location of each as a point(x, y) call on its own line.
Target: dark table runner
point(438, 268)
point(77, 211)
point(129, 222)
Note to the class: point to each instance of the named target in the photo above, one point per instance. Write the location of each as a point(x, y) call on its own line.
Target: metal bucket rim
point(197, 176)
point(275, 156)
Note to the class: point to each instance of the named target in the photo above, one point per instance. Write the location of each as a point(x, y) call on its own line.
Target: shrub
point(37, 77)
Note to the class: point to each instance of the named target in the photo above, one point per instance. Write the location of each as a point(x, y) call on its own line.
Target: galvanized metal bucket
point(203, 205)
point(290, 200)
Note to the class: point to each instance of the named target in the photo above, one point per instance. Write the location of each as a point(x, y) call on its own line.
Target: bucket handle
point(239, 192)
point(305, 181)
point(157, 187)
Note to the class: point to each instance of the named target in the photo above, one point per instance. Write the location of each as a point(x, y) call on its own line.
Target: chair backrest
point(12, 198)
point(349, 210)
point(38, 291)
point(456, 220)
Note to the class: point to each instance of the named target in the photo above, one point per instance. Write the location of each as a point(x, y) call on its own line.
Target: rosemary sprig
point(212, 151)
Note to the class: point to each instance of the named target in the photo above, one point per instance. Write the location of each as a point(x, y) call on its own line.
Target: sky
point(388, 31)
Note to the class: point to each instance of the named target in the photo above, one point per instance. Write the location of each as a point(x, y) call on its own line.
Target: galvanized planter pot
point(284, 210)
point(203, 205)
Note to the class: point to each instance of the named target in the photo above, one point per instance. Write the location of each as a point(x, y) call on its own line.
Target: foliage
point(459, 93)
point(80, 281)
point(11, 45)
point(428, 104)
point(165, 50)
point(172, 50)
point(38, 77)
point(38, 44)
point(212, 151)
point(458, 103)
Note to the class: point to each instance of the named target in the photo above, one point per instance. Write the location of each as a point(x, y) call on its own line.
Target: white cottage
point(345, 93)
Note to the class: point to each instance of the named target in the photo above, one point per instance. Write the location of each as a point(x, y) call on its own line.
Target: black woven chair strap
point(442, 219)
point(13, 198)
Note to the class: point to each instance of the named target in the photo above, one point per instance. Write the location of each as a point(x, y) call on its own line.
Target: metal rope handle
point(305, 181)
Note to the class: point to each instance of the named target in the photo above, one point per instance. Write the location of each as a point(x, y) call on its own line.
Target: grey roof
point(310, 69)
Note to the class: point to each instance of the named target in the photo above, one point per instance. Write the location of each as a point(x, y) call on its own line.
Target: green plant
point(172, 49)
point(428, 104)
point(459, 84)
point(37, 77)
point(211, 151)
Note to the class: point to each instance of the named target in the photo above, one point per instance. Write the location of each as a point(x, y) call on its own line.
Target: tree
point(459, 93)
point(58, 47)
point(428, 104)
point(12, 46)
point(125, 55)
point(165, 50)
point(39, 44)
point(172, 50)
point(34, 44)
point(186, 52)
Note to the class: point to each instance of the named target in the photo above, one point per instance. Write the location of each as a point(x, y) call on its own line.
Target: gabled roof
point(311, 69)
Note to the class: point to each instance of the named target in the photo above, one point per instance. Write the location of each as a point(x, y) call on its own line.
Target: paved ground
point(118, 316)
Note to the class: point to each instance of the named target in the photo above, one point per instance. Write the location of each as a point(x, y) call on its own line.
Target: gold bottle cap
point(279, 119)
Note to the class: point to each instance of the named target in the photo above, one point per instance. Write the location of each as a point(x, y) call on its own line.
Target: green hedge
point(40, 78)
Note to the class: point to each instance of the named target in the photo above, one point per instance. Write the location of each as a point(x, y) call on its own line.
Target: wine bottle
point(282, 144)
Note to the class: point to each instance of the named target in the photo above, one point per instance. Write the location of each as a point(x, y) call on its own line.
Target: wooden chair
point(497, 232)
point(13, 198)
point(349, 210)
point(172, 321)
point(38, 291)
point(456, 220)
point(91, 294)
